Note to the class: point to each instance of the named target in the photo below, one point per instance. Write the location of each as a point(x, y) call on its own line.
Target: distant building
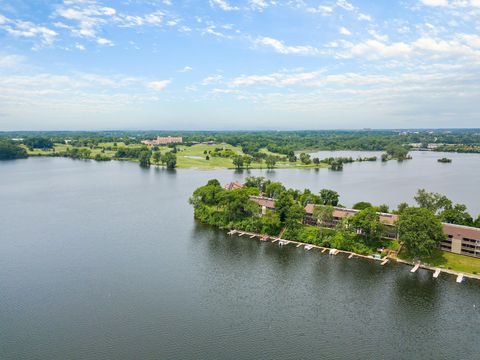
point(163, 141)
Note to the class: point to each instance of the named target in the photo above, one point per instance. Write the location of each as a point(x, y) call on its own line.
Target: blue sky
point(239, 64)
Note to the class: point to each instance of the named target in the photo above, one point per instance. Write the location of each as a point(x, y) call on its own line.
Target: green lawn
point(188, 157)
point(451, 261)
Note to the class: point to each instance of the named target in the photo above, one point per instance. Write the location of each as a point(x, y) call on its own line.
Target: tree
point(157, 155)
point(383, 208)
point(39, 143)
point(329, 197)
point(10, 151)
point(144, 158)
point(432, 201)
point(294, 214)
point(456, 215)
point(237, 204)
point(255, 181)
point(305, 158)
point(316, 161)
point(247, 160)
point(270, 161)
point(274, 189)
point(170, 160)
point(401, 208)
point(283, 204)
point(324, 214)
point(420, 231)
point(476, 223)
point(362, 205)
point(367, 222)
point(238, 161)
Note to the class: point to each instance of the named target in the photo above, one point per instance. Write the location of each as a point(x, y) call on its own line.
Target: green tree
point(274, 189)
point(383, 208)
point(157, 155)
point(247, 161)
point(456, 215)
point(294, 214)
point(170, 160)
point(362, 205)
point(329, 197)
point(432, 201)
point(283, 204)
point(238, 161)
point(420, 231)
point(10, 151)
point(324, 214)
point(144, 158)
point(401, 208)
point(270, 161)
point(367, 222)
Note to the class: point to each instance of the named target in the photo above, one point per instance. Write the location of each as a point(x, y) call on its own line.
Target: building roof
point(338, 212)
point(461, 231)
point(269, 203)
point(233, 185)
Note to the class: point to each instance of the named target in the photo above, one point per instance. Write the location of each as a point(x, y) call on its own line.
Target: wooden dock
point(415, 266)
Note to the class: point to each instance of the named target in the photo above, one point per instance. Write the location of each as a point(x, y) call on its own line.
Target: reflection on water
point(105, 261)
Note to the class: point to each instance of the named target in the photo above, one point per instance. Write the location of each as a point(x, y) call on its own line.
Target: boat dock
point(384, 261)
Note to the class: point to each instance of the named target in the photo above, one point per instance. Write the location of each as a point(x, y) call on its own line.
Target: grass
point(451, 261)
point(186, 156)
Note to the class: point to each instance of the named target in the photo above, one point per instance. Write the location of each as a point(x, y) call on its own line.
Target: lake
point(104, 261)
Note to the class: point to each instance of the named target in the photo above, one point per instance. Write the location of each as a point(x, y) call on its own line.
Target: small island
point(444, 160)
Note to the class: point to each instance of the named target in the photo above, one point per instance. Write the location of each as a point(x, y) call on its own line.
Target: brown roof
point(461, 231)
point(233, 185)
point(342, 212)
point(264, 201)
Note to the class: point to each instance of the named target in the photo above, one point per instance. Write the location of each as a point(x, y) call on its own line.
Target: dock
point(415, 268)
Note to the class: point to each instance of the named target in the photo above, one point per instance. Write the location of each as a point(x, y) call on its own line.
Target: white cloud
point(435, 2)
point(374, 49)
point(186, 69)
point(223, 4)
point(103, 41)
point(345, 5)
point(28, 29)
point(345, 31)
point(158, 85)
point(211, 79)
point(321, 9)
point(281, 48)
point(258, 4)
point(364, 17)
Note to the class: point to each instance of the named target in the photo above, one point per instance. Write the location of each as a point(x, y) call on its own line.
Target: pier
point(384, 261)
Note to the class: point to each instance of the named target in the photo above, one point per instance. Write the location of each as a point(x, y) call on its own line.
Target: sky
point(239, 64)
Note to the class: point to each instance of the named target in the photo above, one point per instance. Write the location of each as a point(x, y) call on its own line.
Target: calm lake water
point(105, 261)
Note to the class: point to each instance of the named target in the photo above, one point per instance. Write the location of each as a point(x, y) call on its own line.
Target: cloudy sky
point(239, 64)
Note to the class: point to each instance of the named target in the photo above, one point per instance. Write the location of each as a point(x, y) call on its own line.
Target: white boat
point(308, 247)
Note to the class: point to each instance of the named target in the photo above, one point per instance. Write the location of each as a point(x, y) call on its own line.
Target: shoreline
point(351, 254)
